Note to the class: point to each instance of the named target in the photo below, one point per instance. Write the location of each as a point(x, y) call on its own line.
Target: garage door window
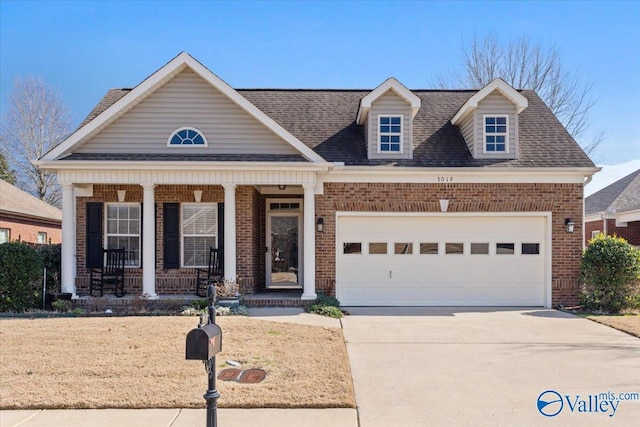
point(454, 248)
point(428, 248)
point(351, 248)
point(403, 248)
point(377, 248)
point(505, 248)
point(531, 249)
point(479, 249)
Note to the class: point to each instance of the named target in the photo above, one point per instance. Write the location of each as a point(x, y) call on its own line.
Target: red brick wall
point(631, 233)
point(27, 230)
point(175, 281)
point(562, 200)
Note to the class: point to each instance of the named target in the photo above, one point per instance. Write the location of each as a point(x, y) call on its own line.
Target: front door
point(284, 250)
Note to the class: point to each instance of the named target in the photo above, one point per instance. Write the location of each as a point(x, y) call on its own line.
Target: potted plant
point(227, 293)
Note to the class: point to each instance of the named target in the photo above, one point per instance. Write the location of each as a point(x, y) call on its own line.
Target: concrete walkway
point(462, 367)
point(179, 418)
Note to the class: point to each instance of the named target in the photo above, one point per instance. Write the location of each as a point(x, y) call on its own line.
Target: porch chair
point(111, 274)
point(212, 275)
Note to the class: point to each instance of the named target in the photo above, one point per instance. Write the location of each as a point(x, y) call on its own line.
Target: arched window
point(187, 136)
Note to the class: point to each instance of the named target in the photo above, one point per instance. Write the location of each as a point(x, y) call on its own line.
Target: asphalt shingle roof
point(15, 201)
point(621, 196)
point(324, 120)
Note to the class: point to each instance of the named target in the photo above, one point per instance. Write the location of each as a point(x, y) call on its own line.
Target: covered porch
point(245, 204)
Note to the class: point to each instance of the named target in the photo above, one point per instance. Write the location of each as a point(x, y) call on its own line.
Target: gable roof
point(324, 121)
point(15, 202)
point(390, 84)
point(501, 86)
point(131, 98)
point(621, 196)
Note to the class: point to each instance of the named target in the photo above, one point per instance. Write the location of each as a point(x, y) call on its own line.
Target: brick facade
point(631, 233)
point(27, 230)
point(562, 200)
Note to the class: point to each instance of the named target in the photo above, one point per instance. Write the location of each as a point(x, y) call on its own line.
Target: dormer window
point(390, 134)
point(187, 137)
point(495, 133)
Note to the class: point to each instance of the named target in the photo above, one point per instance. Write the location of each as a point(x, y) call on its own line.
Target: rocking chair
point(111, 274)
point(212, 275)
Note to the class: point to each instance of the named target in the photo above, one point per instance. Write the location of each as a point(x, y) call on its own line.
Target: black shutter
point(171, 233)
point(221, 231)
point(94, 235)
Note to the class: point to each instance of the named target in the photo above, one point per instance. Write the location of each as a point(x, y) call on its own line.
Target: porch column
point(68, 273)
point(229, 231)
point(309, 279)
point(148, 242)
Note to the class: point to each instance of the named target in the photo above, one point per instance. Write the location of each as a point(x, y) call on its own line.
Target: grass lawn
point(629, 323)
point(138, 362)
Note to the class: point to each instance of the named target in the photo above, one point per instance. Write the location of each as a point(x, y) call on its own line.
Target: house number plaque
point(445, 179)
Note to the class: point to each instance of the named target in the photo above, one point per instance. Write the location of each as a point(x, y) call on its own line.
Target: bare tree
point(36, 121)
point(527, 65)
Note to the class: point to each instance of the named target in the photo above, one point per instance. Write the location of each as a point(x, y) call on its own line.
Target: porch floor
point(273, 298)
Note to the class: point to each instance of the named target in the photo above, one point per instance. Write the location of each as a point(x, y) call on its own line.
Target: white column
point(148, 242)
point(309, 279)
point(68, 266)
point(229, 231)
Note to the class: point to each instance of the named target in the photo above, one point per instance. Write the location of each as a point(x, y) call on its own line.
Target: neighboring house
point(26, 218)
point(384, 197)
point(615, 210)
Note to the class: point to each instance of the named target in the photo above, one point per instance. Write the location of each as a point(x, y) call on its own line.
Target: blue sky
point(85, 48)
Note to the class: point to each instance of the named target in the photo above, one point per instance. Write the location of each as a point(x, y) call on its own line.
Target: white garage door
point(396, 260)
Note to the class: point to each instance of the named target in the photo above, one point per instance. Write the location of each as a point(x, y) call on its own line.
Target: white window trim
point(206, 143)
point(42, 233)
point(595, 233)
point(484, 134)
point(106, 232)
point(8, 231)
point(183, 235)
point(391, 133)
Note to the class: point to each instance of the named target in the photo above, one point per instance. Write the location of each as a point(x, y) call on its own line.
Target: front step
point(274, 299)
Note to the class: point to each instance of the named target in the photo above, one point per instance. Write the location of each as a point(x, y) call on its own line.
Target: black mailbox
point(204, 343)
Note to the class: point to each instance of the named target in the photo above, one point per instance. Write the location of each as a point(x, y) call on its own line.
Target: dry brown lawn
point(139, 362)
point(626, 323)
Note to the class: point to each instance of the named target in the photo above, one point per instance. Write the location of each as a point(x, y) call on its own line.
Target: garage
point(442, 259)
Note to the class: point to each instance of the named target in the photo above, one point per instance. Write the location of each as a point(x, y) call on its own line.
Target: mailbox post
point(203, 343)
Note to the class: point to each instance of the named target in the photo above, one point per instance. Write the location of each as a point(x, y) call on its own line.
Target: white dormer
point(488, 121)
point(387, 115)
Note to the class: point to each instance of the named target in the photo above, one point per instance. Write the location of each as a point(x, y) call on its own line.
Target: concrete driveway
point(488, 366)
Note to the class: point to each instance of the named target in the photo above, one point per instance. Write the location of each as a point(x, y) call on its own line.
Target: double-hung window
point(123, 230)
point(41, 237)
point(495, 134)
point(5, 235)
point(199, 233)
point(390, 134)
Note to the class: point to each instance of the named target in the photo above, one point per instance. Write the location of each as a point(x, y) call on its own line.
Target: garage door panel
point(412, 278)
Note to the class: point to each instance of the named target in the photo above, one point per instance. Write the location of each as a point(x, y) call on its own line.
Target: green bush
point(325, 305)
point(52, 260)
point(324, 299)
point(200, 304)
point(609, 268)
point(61, 306)
point(20, 277)
point(326, 310)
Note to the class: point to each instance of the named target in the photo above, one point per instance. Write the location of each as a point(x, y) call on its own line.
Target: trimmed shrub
point(325, 305)
point(609, 268)
point(52, 260)
point(20, 277)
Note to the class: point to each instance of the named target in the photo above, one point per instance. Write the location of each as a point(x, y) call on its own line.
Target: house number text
point(445, 179)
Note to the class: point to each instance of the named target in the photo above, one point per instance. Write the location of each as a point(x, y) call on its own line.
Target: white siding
point(467, 128)
point(390, 104)
point(496, 103)
point(187, 101)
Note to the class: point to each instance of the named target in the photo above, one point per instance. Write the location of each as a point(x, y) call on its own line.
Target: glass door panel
point(284, 251)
